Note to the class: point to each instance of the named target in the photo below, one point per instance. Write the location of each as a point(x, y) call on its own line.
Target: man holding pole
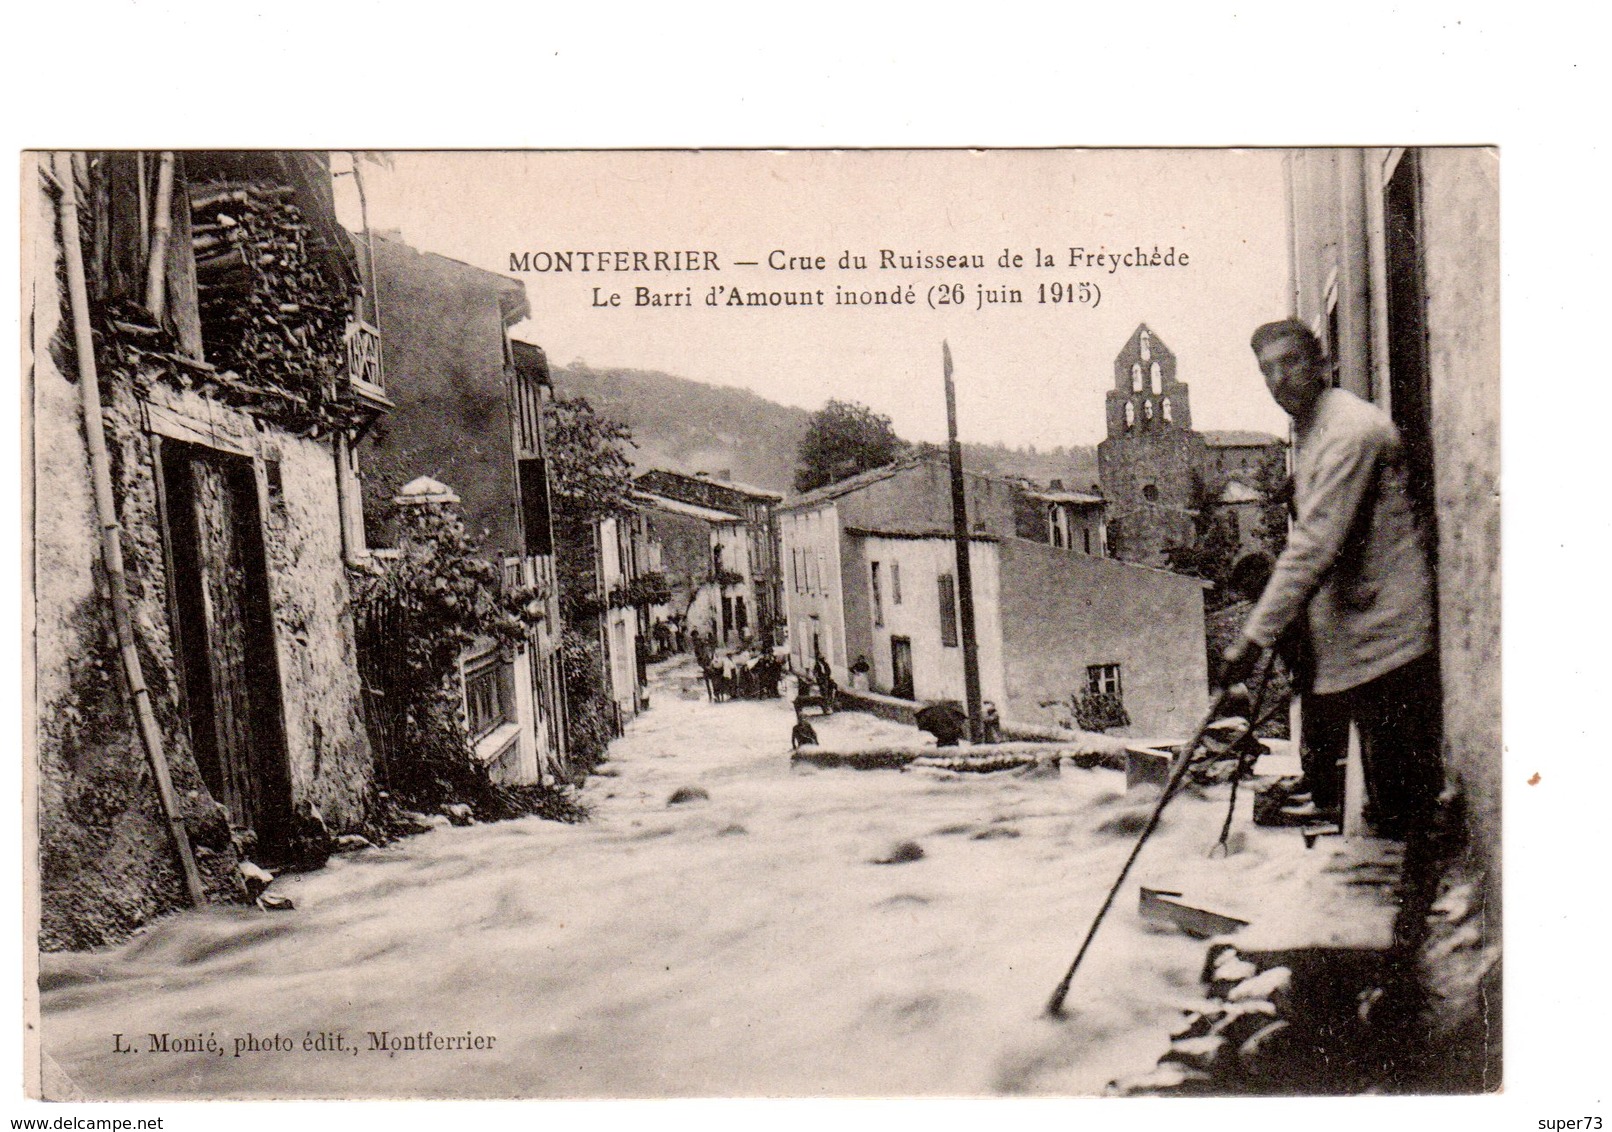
point(1356, 580)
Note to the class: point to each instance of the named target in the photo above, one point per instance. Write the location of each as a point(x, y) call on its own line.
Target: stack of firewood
point(270, 313)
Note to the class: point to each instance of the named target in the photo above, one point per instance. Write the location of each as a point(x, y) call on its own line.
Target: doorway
point(1409, 397)
point(901, 668)
point(219, 592)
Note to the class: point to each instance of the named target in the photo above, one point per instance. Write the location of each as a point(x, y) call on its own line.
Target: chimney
point(725, 475)
point(1055, 485)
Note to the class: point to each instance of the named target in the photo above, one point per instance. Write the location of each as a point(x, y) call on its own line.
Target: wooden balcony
point(364, 380)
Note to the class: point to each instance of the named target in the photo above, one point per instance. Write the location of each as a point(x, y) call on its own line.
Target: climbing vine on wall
point(417, 609)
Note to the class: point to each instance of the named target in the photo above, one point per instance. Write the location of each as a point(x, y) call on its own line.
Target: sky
point(1027, 373)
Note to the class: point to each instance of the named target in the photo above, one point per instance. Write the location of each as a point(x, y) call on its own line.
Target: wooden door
point(901, 667)
point(225, 637)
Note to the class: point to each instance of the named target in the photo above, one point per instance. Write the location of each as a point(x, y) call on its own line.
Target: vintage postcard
point(803, 623)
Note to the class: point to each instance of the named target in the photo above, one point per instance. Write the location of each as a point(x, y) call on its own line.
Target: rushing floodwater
point(741, 945)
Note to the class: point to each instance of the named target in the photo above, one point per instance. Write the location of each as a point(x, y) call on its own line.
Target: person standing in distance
point(1356, 577)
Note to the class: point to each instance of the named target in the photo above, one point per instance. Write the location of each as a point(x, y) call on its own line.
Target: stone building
point(1396, 269)
point(230, 373)
point(704, 556)
point(756, 560)
point(1159, 476)
point(468, 414)
point(1074, 520)
point(871, 572)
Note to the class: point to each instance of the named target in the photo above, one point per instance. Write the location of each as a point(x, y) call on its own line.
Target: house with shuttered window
point(468, 417)
point(869, 571)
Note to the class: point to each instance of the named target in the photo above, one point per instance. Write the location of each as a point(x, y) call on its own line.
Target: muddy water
point(740, 945)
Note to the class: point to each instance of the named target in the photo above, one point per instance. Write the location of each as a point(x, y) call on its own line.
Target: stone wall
point(1461, 959)
point(442, 333)
point(1063, 611)
point(1461, 198)
point(107, 863)
point(330, 758)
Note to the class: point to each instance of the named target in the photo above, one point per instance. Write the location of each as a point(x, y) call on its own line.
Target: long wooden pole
point(161, 223)
point(106, 512)
point(965, 569)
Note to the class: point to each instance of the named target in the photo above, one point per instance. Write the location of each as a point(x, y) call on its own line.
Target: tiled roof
point(692, 510)
point(846, 486)
point(1239, 438)
point(1239, 492)
point(1065, 497)
point(917, 533)
point(732, 485)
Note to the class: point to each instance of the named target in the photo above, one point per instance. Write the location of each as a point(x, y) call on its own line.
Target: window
point(1058, 525)
point(1164, 408)
point(1136, 377)
point(895, 583)
point(1103, 680)
point(878, 598)
point(274, 478)
point(1085, 534)
point(948, 611)
point(487, 696)
point(1130, 415)
point(1150, 493)
point(1158, 379)
point(1147, 409)
point(534, 491)
point(1147, 346)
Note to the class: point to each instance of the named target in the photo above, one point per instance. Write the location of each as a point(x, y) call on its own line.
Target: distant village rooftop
point(692, 510)
point(1239, 492)
point(915, 532)
point(1050, 496)
point(724, 480)
point(847, 486)
point(1239, 438)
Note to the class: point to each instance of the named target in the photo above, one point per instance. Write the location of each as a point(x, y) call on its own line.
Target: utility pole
point(965, 570)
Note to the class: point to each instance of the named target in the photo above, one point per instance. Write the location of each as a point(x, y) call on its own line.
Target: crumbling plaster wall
point(106, 860)
point(330, 756)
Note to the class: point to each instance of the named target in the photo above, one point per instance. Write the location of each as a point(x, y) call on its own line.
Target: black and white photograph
point(646, 624)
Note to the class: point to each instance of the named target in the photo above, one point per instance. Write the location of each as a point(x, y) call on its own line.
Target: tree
point(590, 474)
point(590, 478)
point(1214, 548)
point(842, 439)
point(1275, 489)
point(416, 611)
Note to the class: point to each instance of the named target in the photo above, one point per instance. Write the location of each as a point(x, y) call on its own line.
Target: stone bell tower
point(1146, 464)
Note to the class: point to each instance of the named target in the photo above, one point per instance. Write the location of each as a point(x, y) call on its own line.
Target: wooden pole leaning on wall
point(161, 224)
point(107, 519)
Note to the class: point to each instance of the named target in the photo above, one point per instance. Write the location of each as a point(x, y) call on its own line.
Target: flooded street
point(741, 944)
